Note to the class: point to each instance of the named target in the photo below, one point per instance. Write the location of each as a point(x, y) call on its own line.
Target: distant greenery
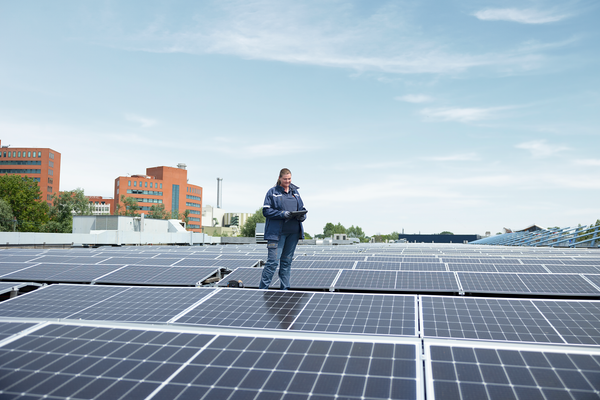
point(22, 199)
point(249, 228)
point(64, 206)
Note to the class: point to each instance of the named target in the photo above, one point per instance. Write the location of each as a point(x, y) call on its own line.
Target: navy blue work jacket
point(274, 211)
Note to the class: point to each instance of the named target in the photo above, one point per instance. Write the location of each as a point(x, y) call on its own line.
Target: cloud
point(329, 34)
point(588, 162)
point(523, 16)
point(454, 157)
point(414, 98)
point(143, 121)
point(462, 114)
point(541, 149)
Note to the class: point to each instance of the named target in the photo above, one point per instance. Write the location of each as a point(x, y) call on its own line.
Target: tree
point(249, 228)
point(64, 206)
point(22, 194)
point(6, 217)
point(330, 229)
point(157, 211)
point(130, 206)
point(357, 232)
point(589, 233)
point(446, 233)
point(307, 236)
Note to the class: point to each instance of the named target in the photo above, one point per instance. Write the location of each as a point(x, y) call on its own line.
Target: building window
point(49, 189)
point(118, 183)
point(161, 185)
point(51, 164)
point(15, 154)
point(34, 154)
point(49, 197)
point(50, 172)
point(175, 198)
point(28, 154)
point(39, 154)
point(146, 184)
point(19, 154)
point(150, 185)
point(50, 181)
point(51, 155)
point(128, 183)
point(135, 183)
point(117, 190)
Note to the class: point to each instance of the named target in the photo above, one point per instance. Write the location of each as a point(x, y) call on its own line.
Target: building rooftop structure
point(166, 186)
point(41, 164)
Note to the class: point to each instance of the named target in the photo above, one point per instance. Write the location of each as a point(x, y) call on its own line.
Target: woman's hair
point(284, 171)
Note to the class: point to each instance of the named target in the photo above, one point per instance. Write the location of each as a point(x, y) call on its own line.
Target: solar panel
point(333, 264)
point(278, 368)
point(248, 308)
point(8, 268)
point(56, 301)
point(466, 371)
point(8, 329)
point(573, 269)
point(426, 281)
point(558, 284)
point(358, 313)
point(534, 269)
point(471, 267)
point(60, 273)
point(486, 319)
point(249, 276)
point(6, 287)
point(423, 266)
point(473, 282)
point(311, 278)
point(578, 322)
point(155, 275)
point(379, 265)
point(366, 280)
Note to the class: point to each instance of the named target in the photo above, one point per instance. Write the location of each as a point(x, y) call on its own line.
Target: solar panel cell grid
point(479, 373)
point(486, 319)
point(366, 279)
point(578, 322)
point(426, 281)
point(362, 314)
point(492, 283)
point(558, 284)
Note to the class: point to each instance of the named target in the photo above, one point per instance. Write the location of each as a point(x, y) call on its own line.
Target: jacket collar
point(292, 186)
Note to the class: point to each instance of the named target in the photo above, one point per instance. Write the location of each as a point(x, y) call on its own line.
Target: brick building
point(163, 185)
point(101, 205)
point(41, 164)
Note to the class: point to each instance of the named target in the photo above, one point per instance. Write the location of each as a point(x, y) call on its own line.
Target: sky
point(408, 116)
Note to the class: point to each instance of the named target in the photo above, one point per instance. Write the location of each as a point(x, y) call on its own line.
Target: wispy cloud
point(463, 114)
point(541, 149)
point(590, 162)
point(143, 121)
point(454, 157)
point(330, 34)
point(414, 98)
point(523, 16)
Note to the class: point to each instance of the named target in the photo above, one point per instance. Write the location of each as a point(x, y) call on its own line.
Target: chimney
point(219, 194)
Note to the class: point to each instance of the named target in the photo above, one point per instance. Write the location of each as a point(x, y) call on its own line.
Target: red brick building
point(41, 164)
point(163, 185)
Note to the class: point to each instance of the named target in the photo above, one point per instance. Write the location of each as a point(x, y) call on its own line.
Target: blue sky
point(422, 116)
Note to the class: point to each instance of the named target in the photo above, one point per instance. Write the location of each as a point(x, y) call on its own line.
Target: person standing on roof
point(283, 229)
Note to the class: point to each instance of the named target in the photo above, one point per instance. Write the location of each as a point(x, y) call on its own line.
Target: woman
point(283, 229)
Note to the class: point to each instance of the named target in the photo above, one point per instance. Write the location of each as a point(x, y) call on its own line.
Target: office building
point(101, 205)
point(163, 185)
point(41, 164)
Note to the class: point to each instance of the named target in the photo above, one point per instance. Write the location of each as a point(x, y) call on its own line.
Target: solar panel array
point(364, 322)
